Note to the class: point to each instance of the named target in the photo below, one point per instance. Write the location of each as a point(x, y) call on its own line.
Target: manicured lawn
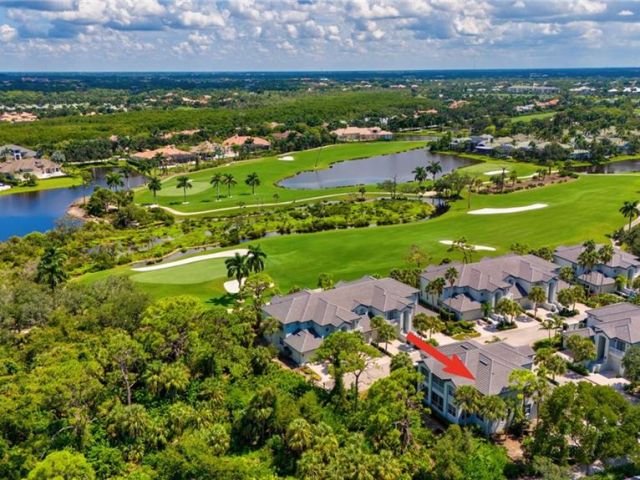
point(270, 170)
point(198, 272)
point(490, 165)
point(532, 116)
point(47, 184)
point(583, 209)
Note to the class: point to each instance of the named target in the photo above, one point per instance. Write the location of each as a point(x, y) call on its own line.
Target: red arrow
point(452, 365)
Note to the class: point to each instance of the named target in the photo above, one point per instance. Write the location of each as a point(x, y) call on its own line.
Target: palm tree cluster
point(240, 266)
point(630, 210)
point(591, 255)
point(420, 173)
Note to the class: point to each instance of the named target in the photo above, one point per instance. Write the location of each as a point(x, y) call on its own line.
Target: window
point(437, 382)
point(619, 345)
point(452, 410)
point(527, 409)
point(437, 401)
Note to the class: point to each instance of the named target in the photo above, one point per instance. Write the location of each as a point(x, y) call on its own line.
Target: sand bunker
point(286, 158)
point(497, 211)
point(186, 261)
point(495, 172)
point(475, 247)
point(232, 286)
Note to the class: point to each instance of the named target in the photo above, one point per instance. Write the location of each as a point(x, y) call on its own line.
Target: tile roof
point(491, 273)
point(620, 259)
point(462, 303)
point(597, 279)
point(491, 364)
point(620, 320)
point(335, 306)
point(242, 139)
point(303, 341)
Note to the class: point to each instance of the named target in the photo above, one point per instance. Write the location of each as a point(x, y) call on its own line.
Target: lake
point(373, 170)
point(23, 213)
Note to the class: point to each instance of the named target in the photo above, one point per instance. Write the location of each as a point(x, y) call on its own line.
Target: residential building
point(488, 281)
point(15, 152)
point(602, 277)
point(40, 167)
point(490, 364)
point(169, 153)
point(305, 318)
point(362, 134)
point(255, 143)
point(23, 117)
point(614, 329)
point(536, 89)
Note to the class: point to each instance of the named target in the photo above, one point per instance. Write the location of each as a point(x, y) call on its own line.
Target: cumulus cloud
point(334, 32)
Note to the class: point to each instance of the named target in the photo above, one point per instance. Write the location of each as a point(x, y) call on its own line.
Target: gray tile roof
point(620, 259)
point(491, 273)
point(490, 364)
point(335, 306)
point(462, 303)
point(303, 341)
point(620, 320)
point(596, 279)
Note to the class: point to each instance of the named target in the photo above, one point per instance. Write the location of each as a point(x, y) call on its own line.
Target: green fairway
point(578, 210)
point(47, 184)
point(532, 116)
point(270, 170)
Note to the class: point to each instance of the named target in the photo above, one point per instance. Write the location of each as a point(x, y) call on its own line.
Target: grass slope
point(47, 184)
point(583, 209)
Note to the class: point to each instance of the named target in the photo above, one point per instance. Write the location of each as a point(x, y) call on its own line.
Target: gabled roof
point(621, 320)
point(620, 259)
point(492, 273)
point(335, 306)
point(303, 341)
point(242, 140)
point(462, 303)
point(490, 364)
point(596, 279)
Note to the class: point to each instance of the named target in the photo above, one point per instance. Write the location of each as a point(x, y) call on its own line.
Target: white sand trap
point(286, 158)
point(495, 172)
point(232, 286)
point(186, 261)
point(475, 247)
point(497, 211)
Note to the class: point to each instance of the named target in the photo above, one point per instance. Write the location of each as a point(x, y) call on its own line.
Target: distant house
point(602, 277)
point(184, 133)
point(16, 161)
point(255, 143)
point(537, 89)
point(488, 281)
point(362, 134)
point(491, 365)
point(15, 152)
point(579, 154)
point(305, 318)
point(169, 153)
point(23, 117)
point(614, 329)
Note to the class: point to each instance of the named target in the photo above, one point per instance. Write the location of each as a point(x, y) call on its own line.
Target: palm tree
point(435, 288)
point(473, 186)
point(184, 182)
point(256, 258)
point(429, 324)
point(229, 180)
point(420, 174)
point(434, 168)
point(467, 398)
point(451, 275)
point(537, 295)
point(630, 210)
point(237, 267)
point(216, 181)
point(492, 408)
point(606, 253)
point(154, 185)
point(589, 257)
point(114, 180)
point(253, 181)
point(126, 170)
point(298, 435)
point(51, 267)
point(87, 178)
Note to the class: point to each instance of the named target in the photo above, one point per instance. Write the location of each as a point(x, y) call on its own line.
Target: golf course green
point(581, 209)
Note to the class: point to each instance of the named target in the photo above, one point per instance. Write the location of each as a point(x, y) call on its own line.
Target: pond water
point(23, 213)
point(372, 170)
point(622, 167)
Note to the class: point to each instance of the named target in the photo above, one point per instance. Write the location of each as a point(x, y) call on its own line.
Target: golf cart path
point(186, 261)
point(288, 202)
point(474, 247)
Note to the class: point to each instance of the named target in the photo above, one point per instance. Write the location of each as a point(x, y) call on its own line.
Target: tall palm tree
point(467, 398)
point(184, 182)
point(434, 168)
point(87, 179)
point(420, 174)
point(215, 182)
point(436, 288)
point(256, 258)
point(299, 435)
point(126, 170)
point(630, 210)
point(492, 408)
point(537, 295)
point(606, 253)
point(51, 267)
point(451, 275)
point(589, 257)
point(155, 185)
point(229, 180)
point(114, 180)
point(237, 267)
point(253, 181)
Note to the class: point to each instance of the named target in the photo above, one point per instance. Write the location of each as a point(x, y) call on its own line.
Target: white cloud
point(625, 13)
point(7, 33)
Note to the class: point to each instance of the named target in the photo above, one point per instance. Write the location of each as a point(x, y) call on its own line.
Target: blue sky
point(95, 35)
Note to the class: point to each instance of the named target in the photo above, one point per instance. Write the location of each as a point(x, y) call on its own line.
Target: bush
point(554, 342)
point(579, 368)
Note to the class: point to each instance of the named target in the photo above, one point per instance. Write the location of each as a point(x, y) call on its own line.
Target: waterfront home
point(17, 161)
point(254, 143)
point(15, 152)
point(169, 153)
point(305, 318)
point(479, 286)
point(614, 329)
point(362, 134)
point(602, 277)
point(490, 364)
